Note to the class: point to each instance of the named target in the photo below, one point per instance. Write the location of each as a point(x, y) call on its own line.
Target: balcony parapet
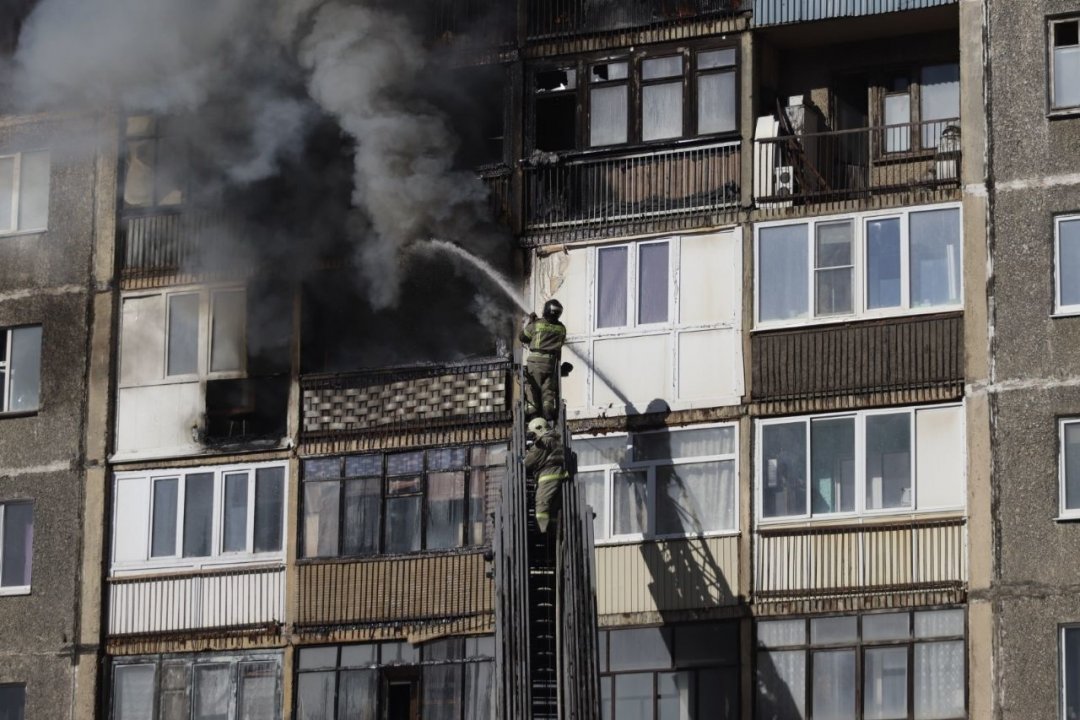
point(841, 170)
point(603, 193)
point(784, 12)
point(559, 19)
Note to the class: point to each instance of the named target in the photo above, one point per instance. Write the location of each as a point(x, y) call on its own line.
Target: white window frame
point(650, 466)
point(633, 293)
point(205, 331)
point(860, 511)
point(1060, 309)
point(16, 191)
point(860, 311)
point(15, 589)
point(1064, 513)
point(5, 365)
point(218, 556)
point(1051, 69)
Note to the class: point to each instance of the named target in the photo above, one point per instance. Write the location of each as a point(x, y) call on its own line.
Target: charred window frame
point(654, 672)
point(398, 503)
point(156, 165)
point(450, 679)
point(24, 192)
point(914, 106)
point(658, 96)
point(1063, 64)
point(890, 664)
point(226, 687)
point(16, 547)
point(20, 370)
point(12, 701)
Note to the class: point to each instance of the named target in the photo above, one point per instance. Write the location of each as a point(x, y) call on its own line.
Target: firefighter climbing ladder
point(545, 605)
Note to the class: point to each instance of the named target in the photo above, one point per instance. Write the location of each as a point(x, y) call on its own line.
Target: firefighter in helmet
point(544, 336)
point(546, 461)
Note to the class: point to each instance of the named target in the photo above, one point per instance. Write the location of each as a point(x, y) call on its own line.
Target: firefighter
point(544, 337)
point(546, 461)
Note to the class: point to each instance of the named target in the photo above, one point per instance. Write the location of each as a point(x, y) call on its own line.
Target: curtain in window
point(258, 691)
point(212, 692)
point(653, 283)
point(403, 524)
point(321, 519)
point(315, 696)
point(834, 685)
point(939, 680)
point(174, 703)
point(479, 691)
point(446, 510)
point(358, 694)
point(885, 678)
point(695, 498)
point(897, 122)
point(631, 502)
point(362, 530)
point(662, 111)
point(611, 287)
point(716, 103)
point(594, 488)
point(781, 685)
point(607, 115)
point(442, 693)
point(782, 275)
point(25, 370)
point(1066, 76)
point(935, 258)
point(133, 692)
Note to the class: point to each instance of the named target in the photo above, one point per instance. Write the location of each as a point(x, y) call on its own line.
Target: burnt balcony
point(444, 398)
point(895, 164)
point(909, 556)
point(553, 19)
point(170, 241)
point(246, 411)
point(470, 24)
point(605, 193)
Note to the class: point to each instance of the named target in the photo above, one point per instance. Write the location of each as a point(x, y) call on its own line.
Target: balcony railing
point(170, 241)
point(811, 562)
point(472, 22)
point(663, 190)
point(781, 12)
point(233, 599)
point(404, 399)
point(918, 161)
point(563, 18)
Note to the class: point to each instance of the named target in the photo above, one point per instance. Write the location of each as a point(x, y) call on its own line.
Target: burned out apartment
point(261, 439)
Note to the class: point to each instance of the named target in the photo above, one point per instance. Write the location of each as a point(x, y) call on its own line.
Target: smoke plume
point(251, 86)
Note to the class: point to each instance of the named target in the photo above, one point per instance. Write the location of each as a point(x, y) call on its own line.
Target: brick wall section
point(407, 399)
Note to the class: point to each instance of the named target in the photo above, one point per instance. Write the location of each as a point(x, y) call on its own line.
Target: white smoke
point(276, 67)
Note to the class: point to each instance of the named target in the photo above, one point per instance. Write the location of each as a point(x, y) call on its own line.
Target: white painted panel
point(564, 276)
point(158, 418)
point(574, 385)
point(131, 523)
point(940, 458)
point(707, 365)
point(142, 340)
point(710, 282)
point(635, 370)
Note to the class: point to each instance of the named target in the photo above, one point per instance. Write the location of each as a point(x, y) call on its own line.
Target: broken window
point(398, 503)
point(16, 546)
point(24, 192)
point(1065, 63)
point(20, 369)
point(556, 106)
point(156, 167)
point(230, 514)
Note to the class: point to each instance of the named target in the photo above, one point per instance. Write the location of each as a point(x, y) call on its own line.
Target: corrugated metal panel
point(666, 575)
point(781, 12)
point(392, 590)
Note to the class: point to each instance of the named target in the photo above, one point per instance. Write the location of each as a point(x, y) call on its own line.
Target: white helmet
point(538, 426)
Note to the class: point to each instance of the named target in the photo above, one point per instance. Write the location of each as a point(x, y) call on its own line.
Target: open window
point(156, 164)
point(916, 107)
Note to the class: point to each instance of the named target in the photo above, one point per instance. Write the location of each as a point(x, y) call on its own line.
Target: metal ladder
point(543, 648)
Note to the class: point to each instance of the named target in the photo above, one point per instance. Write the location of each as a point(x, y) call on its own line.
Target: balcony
point(553, 19)
point(236, 599)
point(602, 194)
point(450, 399)
point(470, 24)
point(782, 12)
point(168, 242)
point(832, 171)
point(914, 359)
point(817, 563)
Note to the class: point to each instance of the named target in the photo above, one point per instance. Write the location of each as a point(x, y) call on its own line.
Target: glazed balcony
point(604, 193)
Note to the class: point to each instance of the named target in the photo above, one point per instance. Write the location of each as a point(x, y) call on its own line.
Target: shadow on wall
point(688, 572)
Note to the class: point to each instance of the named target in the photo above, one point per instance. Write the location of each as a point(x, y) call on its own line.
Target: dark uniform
point(546, 461)
point(544, 337)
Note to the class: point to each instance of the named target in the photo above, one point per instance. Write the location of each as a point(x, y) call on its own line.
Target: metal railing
point(781, 12)
point(918, 554)
point(473, 21)
point(220, 599)
point(563, 18)
point(169, 240)
point(829, 167)
point(668, 188)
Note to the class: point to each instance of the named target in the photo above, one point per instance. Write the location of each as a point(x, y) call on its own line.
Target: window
point(1070, 671)
point(881, 461)
point(676, 671)
point(204, 687)
point(399, 503)
point(1067, 261)
point(669, 94)
point(917, 105)
point(201, 516)
point(24, 192)
point(449, 679)
point(867, 265)
point(156, 170)
point(16, 547)
point(1069, 468)
point(673, 483)
point(633, 285)
point(20, 369)
point(871, 667)
point(1064, 63)
point(12, 702)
